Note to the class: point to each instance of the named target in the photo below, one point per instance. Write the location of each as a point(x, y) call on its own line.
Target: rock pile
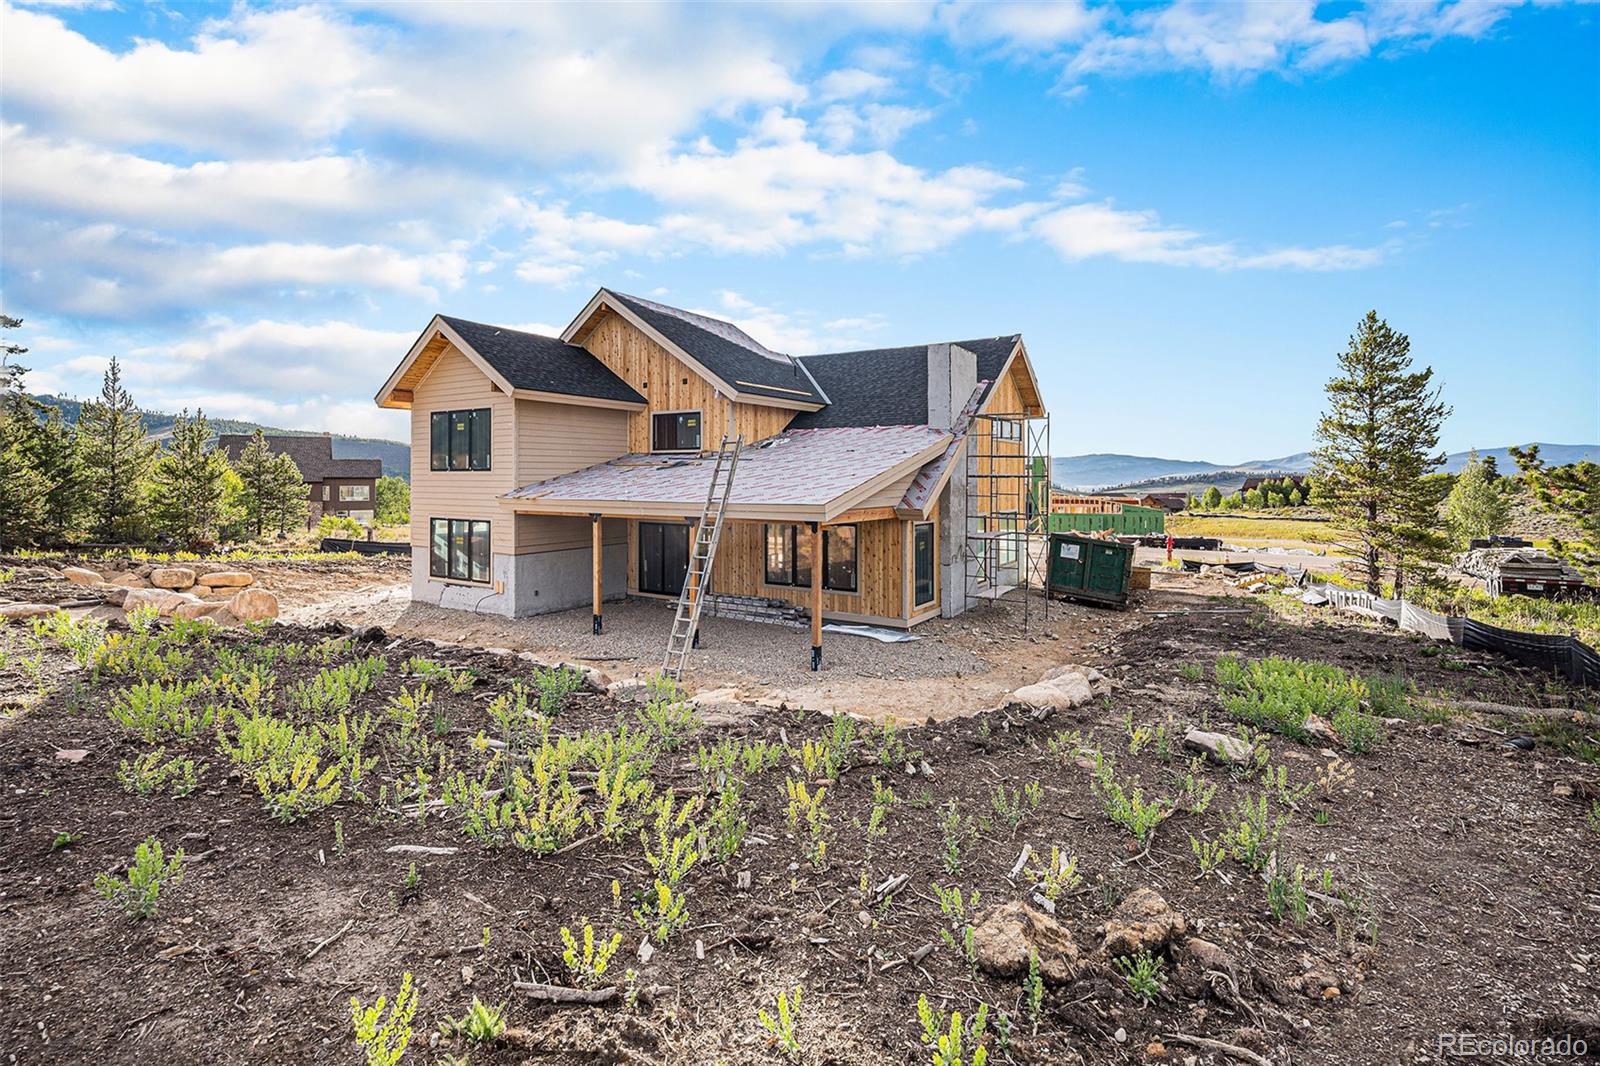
point(211, 591)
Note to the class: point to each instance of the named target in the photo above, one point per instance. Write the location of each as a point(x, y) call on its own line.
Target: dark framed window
point(675, 432)
point(459, 440)
point(922, 541)
point(789, 559)
point(1007, 429)
point(458, 549)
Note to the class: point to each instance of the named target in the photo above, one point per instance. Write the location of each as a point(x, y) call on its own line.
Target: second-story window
point(677, 431)
point(459, 440)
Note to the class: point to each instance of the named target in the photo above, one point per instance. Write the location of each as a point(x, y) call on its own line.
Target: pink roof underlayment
point(931, 478)
point(808, 474)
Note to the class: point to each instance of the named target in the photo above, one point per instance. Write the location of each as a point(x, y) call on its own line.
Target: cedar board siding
point(1002, 457)
point(668, 384)
point(740, 569)
point(452, 384)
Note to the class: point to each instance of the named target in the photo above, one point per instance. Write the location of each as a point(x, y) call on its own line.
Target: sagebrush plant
point(586, 963)
point(1286, 895)
point(952, 1043)
point(150, 873)
point(883, 802)
point(1281, 695)
point(806, 806)
point(954, 831)
point(482, 1023)
point(959, 931)
point(1209, 854)
point(783, 1023)
point(1252, 837)
point(148, 774)
point(1013, 806)
point(1123, 805)
point(1144, 974)
point(383, 1037)
point(725, 824)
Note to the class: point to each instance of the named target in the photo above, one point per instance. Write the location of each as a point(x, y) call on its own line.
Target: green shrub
point(139, 891)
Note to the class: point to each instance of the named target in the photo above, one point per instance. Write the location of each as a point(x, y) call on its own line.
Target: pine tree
point(54, 452)
point(21, 487)
point(116, 458)
point(1475, 507)
point(1377, 440)
point(188, 486)
point(272, 495)
point(1573, 493)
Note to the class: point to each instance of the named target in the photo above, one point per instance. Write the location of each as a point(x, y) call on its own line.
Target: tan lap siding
point(741, 570)
point(667, 384)
point(455, 384)
point(554, 439)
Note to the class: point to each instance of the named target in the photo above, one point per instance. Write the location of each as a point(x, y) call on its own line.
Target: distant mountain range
point(396, 457)
point(1103, 470)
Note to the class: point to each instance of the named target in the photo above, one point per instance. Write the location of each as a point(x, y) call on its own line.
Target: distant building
point(1170, 502)
point(1255, 481)
point(345, 488)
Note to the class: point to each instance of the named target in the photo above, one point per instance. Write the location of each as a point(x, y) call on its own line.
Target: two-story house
point(346, 488)
point(553, 472)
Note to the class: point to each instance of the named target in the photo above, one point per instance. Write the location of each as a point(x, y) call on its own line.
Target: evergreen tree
point(272, 495)
point(54, 452)
point(1212, 498)
point(1475, 507)
point(393, 504)
point(188, 487)
point(116, 458)
point(1573, 493)
point(21, 487)
point(1376, 442)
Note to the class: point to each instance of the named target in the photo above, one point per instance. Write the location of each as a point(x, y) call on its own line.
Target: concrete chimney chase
point(952, 377)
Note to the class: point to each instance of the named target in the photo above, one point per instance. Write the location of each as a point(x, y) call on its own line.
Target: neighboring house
point(1170, 502)
point(549, 472)
point(346, 488)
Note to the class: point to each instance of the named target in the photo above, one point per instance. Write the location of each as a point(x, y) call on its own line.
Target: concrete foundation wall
point(535, 583)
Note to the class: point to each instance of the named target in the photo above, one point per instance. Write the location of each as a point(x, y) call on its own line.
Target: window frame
point(477, 540)
point(366, 496)
point(700, 430)
point(479, 429)
point(798, 533)
point(1006, 429)
point(933, 567)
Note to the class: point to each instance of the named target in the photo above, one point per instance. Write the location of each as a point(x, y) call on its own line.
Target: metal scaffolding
point(1008, 507)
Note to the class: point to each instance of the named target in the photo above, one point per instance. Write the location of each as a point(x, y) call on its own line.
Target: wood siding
point(741, 570)
point(1007, 492)
point(454, 384)
point(554, 439)
point(668, 384)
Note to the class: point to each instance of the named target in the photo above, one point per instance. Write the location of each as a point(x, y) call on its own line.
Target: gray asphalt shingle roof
point(312, 453)
point(889, 386)
point(727, 351)
point(543, 364)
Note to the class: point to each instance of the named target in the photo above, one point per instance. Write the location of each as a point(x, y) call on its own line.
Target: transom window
point(676, 431)
point(459, 440)
point(459, 549)
point(789, 559)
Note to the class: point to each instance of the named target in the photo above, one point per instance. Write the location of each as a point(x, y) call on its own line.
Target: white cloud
point(797, 333)
point(880, 125)
point(848, 82)
point(1022, 27)
point(1089, 230)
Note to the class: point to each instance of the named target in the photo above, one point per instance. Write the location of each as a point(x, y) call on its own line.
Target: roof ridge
point(720, 326)
point(507, 329)
point(899, 347)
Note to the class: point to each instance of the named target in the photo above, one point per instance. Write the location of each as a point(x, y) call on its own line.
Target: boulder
point(226, 579)
point(1061, 693)
point(1143, 921)
point(1005, 935)
point(132, 581)
point(720, 708)
point(1322, 729)
point(18, 611)
point(629, 688)
point(165, 601)
point(80, 576)
point(1209, 956)
point(172, 577)
point(198, 610)
point(253, 605)
point(113, 594)
point(1219, 746)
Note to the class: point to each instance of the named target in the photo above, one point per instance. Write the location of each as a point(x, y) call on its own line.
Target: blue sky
point(1184, 208)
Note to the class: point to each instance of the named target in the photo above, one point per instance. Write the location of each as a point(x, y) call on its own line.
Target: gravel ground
point(636, 632)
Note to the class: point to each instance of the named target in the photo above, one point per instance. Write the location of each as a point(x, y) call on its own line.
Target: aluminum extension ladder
point(702, 553)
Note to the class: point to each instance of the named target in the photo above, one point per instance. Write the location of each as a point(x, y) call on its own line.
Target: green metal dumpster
point(1095, 571)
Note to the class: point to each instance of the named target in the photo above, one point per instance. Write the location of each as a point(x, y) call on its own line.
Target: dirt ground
point(1467, 871)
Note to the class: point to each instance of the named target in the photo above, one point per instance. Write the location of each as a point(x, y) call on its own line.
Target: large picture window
point(459, 549)
point(358, 493)
point(789, 559)
point(675, 432)
point(459, 440)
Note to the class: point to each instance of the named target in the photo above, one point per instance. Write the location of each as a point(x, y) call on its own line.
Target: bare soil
point(1472, 860)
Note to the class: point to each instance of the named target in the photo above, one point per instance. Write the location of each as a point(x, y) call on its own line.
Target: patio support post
point(595, 526)
point(816, 595)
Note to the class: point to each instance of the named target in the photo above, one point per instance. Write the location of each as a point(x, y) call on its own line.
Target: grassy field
point(1254, 530)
